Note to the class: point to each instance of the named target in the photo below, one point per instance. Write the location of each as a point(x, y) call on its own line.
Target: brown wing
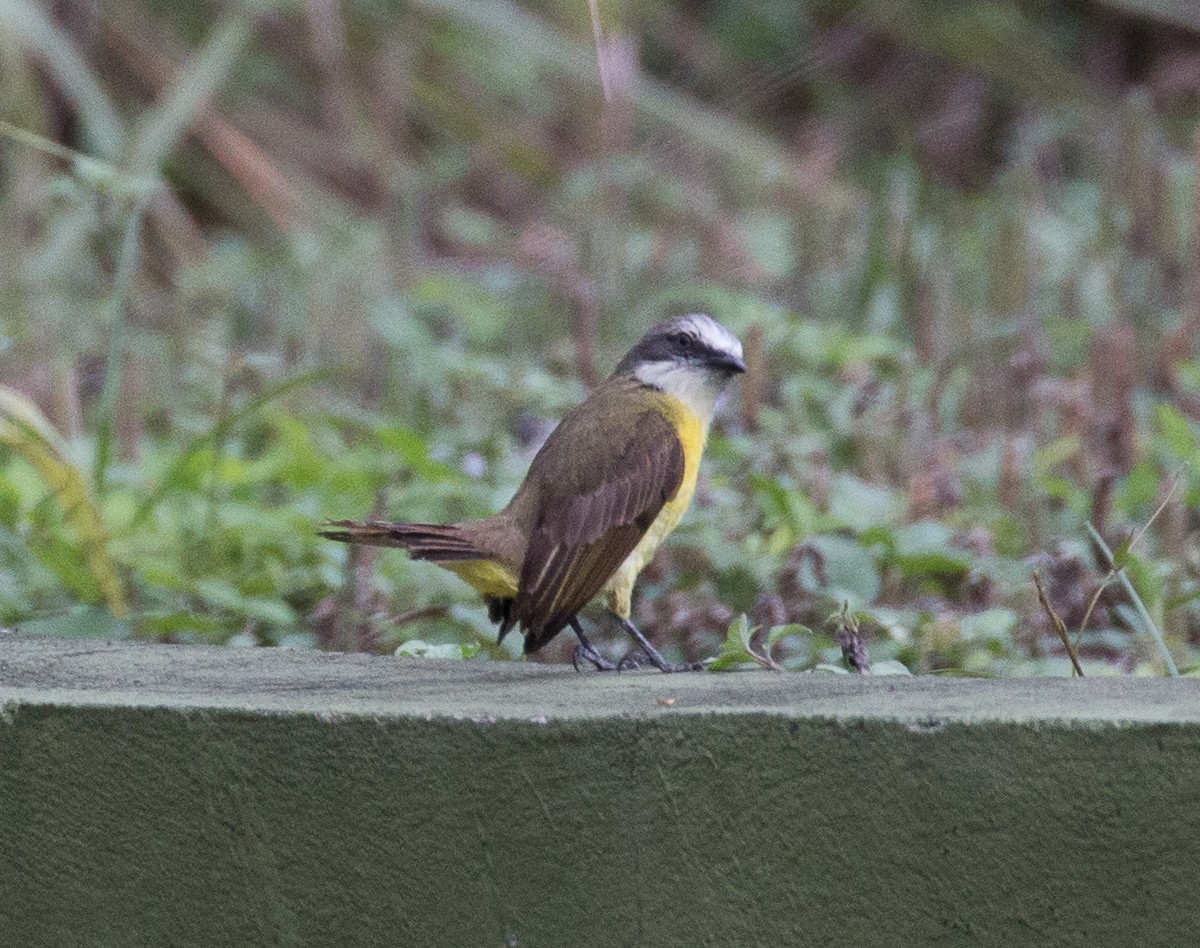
point(591, 520)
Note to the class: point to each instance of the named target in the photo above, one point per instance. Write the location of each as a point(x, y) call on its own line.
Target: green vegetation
point(263, 264)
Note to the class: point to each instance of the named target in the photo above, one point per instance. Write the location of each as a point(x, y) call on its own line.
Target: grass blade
point(1151, 625)
point(27, 432)
point(160, 129)
point(110, 392)
point(38, 36)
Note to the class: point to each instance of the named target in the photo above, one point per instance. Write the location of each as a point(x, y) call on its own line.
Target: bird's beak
point(726, 362)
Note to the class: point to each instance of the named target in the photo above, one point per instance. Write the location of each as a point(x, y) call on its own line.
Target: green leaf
point(849, 568)
point(1049, 457)
point(469, 227)
point(989, 625)
point(768, 238)
point(1121, 553)
point(851, 349)
point(781, 506)
point(484, 316)
point(1140, 486)
point(860, 505)
point(1146, 576)
point(219, 593)
point(417, 648)
point(780, 632)
point(735, 650)
point(268, 610)
point(924, 548)
point(414, 450)
point(889, 666)
point(1178, 433)
point(164, 624)
point(89, 622)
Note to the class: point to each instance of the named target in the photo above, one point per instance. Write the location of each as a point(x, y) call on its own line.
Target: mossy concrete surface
point(162, 795)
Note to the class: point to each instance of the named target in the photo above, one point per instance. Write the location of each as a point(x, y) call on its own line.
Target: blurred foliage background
point(267, 263)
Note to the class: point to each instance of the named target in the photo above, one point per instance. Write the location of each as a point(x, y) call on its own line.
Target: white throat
point(697, 388)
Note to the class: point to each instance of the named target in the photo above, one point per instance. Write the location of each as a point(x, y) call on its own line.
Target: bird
point(603, 492)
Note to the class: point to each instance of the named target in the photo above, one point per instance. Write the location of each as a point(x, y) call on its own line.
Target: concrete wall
point(155, 795)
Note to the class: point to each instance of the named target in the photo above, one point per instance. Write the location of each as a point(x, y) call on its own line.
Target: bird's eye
point(684, 340)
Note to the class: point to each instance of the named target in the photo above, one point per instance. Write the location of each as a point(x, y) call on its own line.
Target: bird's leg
point(587, 650)
point(653, 654)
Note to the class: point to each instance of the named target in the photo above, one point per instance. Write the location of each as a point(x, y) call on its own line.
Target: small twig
point(1141, 532)
point(351, 618)
point(1059, 626)
point(1104, 584)
point(765, 659)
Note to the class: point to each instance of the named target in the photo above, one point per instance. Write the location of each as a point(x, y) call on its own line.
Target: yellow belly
point(693, 432)
point(488, 576)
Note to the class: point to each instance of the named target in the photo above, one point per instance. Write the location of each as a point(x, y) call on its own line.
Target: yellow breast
point(693, 432)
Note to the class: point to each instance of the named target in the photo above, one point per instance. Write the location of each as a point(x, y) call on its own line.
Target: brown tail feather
point(424, 541)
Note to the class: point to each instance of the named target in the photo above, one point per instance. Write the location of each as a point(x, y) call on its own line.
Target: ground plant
point(265, 263)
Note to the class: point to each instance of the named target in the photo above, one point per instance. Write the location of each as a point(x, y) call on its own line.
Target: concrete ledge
point(156, 795)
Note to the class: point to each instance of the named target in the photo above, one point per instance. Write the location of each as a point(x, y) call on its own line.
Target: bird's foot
point(585, 649)
point(590, 654)
point(670, 667)
point(635, 660)
point(654, 655)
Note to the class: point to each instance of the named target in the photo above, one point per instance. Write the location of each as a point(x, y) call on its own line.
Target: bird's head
point(690, 357)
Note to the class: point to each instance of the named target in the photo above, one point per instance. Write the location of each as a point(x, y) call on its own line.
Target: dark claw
point(599, 661)
point(587, 650)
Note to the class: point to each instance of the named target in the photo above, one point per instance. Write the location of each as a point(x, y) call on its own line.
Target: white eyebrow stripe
point(712, 333)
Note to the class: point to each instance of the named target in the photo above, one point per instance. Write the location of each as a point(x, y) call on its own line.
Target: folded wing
point(590, 519)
